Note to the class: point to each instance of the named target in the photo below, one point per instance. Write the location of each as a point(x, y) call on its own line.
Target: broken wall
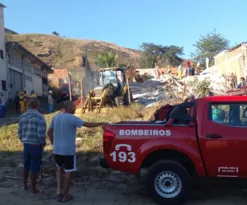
point(232, 62)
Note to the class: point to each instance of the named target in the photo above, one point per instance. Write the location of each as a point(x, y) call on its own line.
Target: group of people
point(190, 70)
point(22, 99)
point(32, 132)
point(242, 83)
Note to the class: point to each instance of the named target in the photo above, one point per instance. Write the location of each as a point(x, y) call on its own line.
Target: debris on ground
point(168, 89)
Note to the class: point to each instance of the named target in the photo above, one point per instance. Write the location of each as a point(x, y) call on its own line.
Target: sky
point(129, 23)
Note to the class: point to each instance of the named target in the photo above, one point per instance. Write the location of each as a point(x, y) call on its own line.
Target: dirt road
point(93, 185)
point(98, 187)
point(95, 196)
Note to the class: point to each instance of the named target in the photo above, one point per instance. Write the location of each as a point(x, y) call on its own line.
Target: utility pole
point(118, 59)
point(82, 92)
point(69, 81)
point(85, 74)
point(86, 57)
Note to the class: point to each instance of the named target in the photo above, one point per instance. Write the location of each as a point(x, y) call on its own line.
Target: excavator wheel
point(126, 98)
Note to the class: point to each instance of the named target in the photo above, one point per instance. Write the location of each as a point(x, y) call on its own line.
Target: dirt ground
point(93, 185)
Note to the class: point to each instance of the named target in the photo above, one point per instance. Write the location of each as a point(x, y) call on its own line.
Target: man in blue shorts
point(32, 133)
point(62, 133)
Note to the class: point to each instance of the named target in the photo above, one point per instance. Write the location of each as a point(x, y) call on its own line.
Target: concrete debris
point(161, 91)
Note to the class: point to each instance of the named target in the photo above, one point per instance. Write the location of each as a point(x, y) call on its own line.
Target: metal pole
point(86, 68)
point(86, 57)
point(118, 60)
point(127, 82)
point(70, 97)
point(85, 72)
point(82, 99)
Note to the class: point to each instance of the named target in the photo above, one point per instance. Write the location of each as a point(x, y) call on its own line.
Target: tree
point(107, 59)
point(209, 45)
point(163, 55)
point(55, 33)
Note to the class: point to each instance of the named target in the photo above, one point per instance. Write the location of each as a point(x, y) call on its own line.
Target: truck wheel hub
point(168, 184)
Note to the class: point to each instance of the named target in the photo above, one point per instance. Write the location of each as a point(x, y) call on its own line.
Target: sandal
point(25, 188)
point(60, 197)
point(66, 200)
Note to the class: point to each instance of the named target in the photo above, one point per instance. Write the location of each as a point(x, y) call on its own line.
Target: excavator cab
point(109, 77)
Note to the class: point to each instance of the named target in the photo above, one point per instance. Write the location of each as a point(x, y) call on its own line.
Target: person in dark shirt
point(193, 70)
point(188, 69)
point(242, 83)
point(17, 102)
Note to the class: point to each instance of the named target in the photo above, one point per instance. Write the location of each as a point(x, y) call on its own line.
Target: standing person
point(32, 133)
point(193, 70)
point(17, 102)
point(50, 102)
point(3, 104)
point(21, 99)
point(156, 72)
point(242, 83)
point(188, 70)
point(25, 101)
point(32, 95)
point(180, 71)
point(62, 133)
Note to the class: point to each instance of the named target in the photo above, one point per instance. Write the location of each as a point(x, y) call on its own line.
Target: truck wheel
point(168, 182)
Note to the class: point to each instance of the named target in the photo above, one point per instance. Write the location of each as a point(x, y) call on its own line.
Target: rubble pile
point(152, 91)
point(134, 75)
point(169, 88)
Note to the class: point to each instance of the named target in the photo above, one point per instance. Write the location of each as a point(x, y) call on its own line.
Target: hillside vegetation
point(65, 53)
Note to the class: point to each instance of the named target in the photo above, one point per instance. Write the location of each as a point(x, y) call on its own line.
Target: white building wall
point(149, 71)
point(30, 76)
point(235, 64)
point(14, 71)
point(37, 82)
point(37, 85)
point(3, 62)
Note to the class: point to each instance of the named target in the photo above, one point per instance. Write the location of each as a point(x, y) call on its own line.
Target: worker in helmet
point(22, 102)
point(32, 95)
point(25, 98)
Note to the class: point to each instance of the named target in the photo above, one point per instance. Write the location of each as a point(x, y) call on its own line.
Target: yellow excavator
point(113, 90)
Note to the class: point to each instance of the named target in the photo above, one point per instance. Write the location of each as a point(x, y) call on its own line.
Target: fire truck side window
point(231, 114)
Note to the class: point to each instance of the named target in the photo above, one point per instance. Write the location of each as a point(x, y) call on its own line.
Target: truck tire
point(168, 182)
